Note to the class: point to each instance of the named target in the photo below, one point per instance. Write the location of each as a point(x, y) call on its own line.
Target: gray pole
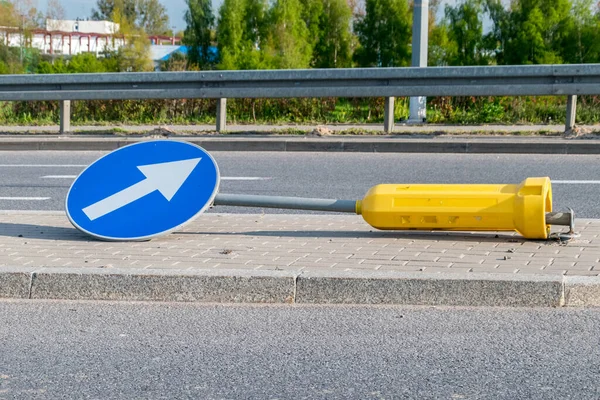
point(419, 55)
point(292, 203)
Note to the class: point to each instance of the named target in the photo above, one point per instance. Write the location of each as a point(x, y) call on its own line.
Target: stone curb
point(325, 287)
point(382, 145)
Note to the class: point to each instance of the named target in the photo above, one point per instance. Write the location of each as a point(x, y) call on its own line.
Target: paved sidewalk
point(425, 138)
point(296, 242)
point(399, 127)
point(43, 256)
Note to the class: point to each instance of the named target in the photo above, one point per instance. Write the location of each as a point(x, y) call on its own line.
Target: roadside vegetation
point(282, 34)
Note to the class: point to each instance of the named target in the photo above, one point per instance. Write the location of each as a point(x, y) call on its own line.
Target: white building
point(67, 37)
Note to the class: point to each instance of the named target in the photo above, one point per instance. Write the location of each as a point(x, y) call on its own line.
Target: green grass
point(441, 110)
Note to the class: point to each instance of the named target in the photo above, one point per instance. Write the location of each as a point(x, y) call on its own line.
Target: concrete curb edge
point(389, 145)
point(322, 287)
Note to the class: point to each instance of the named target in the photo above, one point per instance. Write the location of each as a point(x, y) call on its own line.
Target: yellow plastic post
point(461, 207)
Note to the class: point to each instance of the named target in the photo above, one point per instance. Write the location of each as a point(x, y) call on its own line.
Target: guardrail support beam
point(420, 40)
point(388, 116)
point(65, 116)
point(571, 112)
point(221, 114)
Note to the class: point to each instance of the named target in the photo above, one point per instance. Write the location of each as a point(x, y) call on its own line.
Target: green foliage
point(10, 60)
point(334, 45)
point(198, 33)
point(465, 32)
point(536, 31)
point(442, 110)
point(240, 32)
point(288, 44)
point(80, 63)
point(312, 11)
point(384, 34)
point(8, 14)
point(134, 55)
point(147, 15)
point(582, 45)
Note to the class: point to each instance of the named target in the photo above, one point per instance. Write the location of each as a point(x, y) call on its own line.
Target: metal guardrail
point(555, 80)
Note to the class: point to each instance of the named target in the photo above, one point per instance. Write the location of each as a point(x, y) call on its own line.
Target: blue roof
point(164, 52)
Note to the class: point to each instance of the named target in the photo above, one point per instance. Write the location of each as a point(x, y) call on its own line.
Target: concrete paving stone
point(513, 256)
point(219, 266)
point(476, 266)
point(510, 261)
point(585, 265)
point(468, 252)
point(551, 272)
point(413, 255)
point(357, 267)
point(465, 259)
point(565, 254)
point(309, 266)
point(588, 257)
point(267, 262)
point(542, 260)
point(530, 246)
point(441, 269)
point(375, 257)
point(502, 270)
point(562, 263)
point(428, 264)
point(582, 273)
point(442, 245)
point(386, 262)
point(401, 268)
point(345, 261)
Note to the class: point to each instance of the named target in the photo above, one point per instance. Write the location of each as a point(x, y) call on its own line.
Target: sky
point(175, 8)
point(83, 9)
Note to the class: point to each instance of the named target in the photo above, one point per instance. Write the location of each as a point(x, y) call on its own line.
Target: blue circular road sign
point(143, 190)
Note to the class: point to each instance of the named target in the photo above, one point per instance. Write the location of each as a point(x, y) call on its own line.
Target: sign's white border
point(148, 237)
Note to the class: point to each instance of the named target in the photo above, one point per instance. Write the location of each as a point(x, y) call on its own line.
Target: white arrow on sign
point(167, 178)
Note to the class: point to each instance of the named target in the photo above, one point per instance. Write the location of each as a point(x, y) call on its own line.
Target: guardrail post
point(221, 114)
point(65, 116)
point(571, 112)
point(388, 116)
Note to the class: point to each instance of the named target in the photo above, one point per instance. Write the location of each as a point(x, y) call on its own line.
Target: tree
point(532, 31)
point(312, 11)
point(241, 33)
point(106, 10)
point(198, 32)
point(8, 14)
point(495, 41)
point(134, 56)
point(582, 44)
point(384, 34)
point(441, 49)
point(334, 46)
point(230, 32)
point(55, 10)
point(288, 45)
point(153, 17)
point(465, 30)
point(149, 15)
point(256, 22)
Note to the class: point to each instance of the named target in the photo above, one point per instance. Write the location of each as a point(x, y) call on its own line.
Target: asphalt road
point(40, 180)
point(106, 350)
